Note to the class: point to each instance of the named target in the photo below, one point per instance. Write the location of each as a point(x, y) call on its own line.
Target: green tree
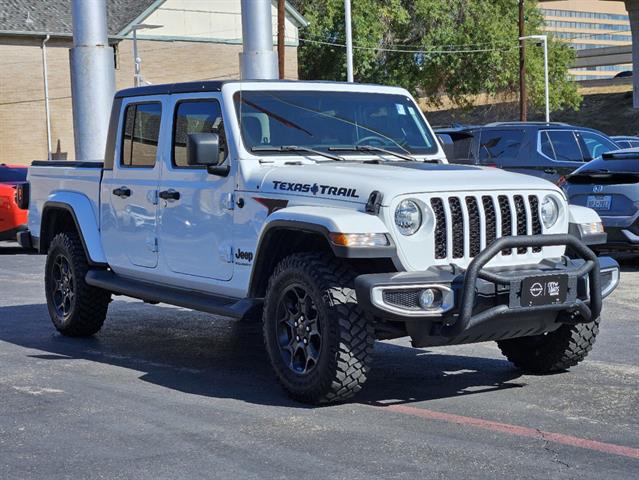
point(411, 43)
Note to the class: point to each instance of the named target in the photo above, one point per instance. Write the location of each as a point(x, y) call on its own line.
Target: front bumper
point(481, 296)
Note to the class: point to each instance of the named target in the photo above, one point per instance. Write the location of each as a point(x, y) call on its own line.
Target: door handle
point(550, 171)
point(122, 192)
point(169, 195)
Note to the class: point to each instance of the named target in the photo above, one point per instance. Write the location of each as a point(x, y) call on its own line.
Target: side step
point(223, 306)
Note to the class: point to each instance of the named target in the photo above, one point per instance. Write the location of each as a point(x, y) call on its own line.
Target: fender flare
point(578, 215)
point(325, 220)
point(322, 221)
point(80, 208)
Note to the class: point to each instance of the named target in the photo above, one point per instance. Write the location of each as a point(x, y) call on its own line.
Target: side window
point(196, 116)
point(546, 146)
point(498, 145)
point(633, 144)
point(141, 134)
point(596, 145)
point(565, 146)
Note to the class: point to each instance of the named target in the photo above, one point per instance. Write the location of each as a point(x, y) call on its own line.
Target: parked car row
point(595, 170)
point(12, 218)
point(546, 150)
point(610, 185)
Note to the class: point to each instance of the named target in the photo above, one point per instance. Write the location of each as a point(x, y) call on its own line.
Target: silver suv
point(610, 186)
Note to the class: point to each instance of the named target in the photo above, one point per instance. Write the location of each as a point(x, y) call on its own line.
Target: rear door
point(129, 191)
point(560, 153)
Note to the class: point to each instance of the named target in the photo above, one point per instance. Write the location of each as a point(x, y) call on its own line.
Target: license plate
point(544, 290)
point(599, 202)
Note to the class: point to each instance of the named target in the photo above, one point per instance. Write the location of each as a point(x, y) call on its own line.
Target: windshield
point(325, 120)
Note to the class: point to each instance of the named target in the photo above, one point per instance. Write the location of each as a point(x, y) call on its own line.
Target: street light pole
point(544, 40)
point(349, 40)
point(137, 61)
point(523, 100)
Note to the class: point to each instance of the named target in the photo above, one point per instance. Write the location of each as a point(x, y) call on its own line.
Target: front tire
point(76, 308)
point(318, 340)
point(553, 351)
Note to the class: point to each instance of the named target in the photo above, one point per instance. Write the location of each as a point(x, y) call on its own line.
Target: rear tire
point(76, 308)
point(553, 351)
point(318, 340)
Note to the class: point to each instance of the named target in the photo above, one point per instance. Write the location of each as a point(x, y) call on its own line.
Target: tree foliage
point(387, 34)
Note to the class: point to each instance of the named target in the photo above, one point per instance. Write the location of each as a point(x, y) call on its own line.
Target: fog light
point(428, 299)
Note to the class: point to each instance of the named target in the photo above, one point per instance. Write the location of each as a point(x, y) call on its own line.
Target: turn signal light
point(359, 239)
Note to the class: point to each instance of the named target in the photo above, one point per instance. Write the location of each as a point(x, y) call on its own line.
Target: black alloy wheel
point(298, 329)
point(63, 287)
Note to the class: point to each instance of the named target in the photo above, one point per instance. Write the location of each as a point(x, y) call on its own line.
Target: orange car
point(12, 218)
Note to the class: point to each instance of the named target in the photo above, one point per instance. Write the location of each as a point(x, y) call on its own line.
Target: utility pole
point(257, 60)
point(349, 40)
point(523, 94)
point(47, 111)
point(281, 39)
point(92, 79)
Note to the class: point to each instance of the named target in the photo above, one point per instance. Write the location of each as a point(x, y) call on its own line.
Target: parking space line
point(514, 430)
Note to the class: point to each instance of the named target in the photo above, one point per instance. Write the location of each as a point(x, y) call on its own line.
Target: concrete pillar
point(633, 12)
point(258, 61)
point(92, 79)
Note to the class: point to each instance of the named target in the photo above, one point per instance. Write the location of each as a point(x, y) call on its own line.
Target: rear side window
point(561, 145)
point(596, 145)
point(141, 134)
point(498, 145)
point(12, 175)
point(196, 116)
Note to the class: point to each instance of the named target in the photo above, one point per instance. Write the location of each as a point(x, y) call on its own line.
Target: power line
point(402, 50)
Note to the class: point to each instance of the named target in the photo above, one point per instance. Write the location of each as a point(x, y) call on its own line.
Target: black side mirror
point(203, 149)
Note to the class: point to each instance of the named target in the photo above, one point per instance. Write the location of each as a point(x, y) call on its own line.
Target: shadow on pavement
point(201, 355)
point(628, 262)
point(14, 249)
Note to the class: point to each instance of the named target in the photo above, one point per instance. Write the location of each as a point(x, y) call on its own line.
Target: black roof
point(54, 16)
point(206, 86)
point(169, 88)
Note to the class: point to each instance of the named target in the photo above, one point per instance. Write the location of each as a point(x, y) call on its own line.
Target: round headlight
point(408, 217)
point(549, 211)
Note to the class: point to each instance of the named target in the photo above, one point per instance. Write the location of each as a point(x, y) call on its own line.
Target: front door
point(196, 215)
point(129, 202)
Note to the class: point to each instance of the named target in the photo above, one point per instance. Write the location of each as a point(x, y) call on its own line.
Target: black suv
point(547, 150)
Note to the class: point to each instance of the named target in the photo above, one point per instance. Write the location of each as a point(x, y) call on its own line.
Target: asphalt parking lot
point(162, 392)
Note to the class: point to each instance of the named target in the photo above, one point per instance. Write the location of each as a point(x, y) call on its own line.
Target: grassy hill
point(612, 113)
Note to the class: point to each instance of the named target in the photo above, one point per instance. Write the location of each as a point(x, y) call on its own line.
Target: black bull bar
point(589, 311)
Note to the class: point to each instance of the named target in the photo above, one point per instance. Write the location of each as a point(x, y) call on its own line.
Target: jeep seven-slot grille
point(536, 222)
point(483, 219)
point(440, 227)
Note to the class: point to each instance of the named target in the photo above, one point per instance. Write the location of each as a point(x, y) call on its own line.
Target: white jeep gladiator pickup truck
point(326, 209)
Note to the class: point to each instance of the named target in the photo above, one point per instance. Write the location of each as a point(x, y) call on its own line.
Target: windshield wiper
point(371, 148)
point(295, 148)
